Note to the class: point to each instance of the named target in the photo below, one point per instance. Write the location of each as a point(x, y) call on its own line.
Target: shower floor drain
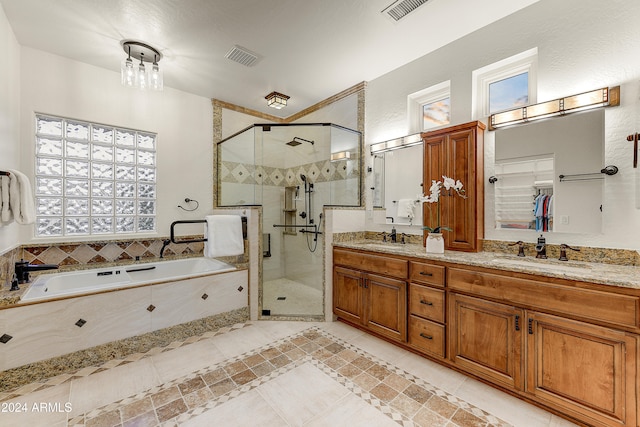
point(281, 298)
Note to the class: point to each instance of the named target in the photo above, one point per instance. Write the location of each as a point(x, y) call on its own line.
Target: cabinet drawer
point(426, 302)
point(372, 263)
point(426, 336)
point(426, 273)
point(599, 306)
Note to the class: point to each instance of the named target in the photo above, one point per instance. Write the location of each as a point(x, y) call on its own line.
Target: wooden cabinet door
point(589, 371)
point(460, 213)
point(348, 295)
point(486, 339)
point(386, 306)
point(433, 169)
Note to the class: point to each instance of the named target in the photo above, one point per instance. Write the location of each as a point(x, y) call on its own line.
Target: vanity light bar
point(569, 104)
point(340, 155)
point(394, 144)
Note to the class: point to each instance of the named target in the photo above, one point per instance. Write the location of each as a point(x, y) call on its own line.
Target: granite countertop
point(593, 272)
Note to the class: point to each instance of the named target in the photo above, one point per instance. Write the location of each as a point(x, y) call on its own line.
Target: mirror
point(397, 183)
point(529, 160)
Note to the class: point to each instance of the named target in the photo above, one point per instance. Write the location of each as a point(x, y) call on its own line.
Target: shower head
point(297, 141)
point(303, 177)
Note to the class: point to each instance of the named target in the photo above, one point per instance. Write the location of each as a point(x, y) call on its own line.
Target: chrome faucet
point(22, 269)
point(541, 248)
point(563, 251)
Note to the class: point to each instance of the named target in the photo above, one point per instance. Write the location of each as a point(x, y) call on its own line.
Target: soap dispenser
point(541, 248)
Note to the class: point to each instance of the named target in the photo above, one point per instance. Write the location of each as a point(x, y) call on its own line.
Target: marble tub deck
point(275, 374)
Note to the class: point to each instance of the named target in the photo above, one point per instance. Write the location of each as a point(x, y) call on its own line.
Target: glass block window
point(93, 179)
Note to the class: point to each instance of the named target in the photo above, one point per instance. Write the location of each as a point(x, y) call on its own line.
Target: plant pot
point(435, 243)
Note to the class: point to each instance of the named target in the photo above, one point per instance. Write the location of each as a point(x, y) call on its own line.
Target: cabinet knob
point(423, 335)
point(425, 302)
point(424, 273)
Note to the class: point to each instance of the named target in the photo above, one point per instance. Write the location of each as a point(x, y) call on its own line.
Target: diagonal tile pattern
point(396, 394)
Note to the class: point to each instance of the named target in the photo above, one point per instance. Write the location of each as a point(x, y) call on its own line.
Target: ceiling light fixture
point(276, 100)
point(569, 104)
point(141, 77)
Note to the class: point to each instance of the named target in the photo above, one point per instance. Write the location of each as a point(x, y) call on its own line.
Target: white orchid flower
point(449, 183)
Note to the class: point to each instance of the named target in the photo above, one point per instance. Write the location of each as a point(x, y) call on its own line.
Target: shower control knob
point(303, 215)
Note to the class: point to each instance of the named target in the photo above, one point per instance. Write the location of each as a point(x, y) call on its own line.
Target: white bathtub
point(56, 285)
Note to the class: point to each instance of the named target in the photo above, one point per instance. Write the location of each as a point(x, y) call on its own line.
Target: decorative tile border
point(401, 396)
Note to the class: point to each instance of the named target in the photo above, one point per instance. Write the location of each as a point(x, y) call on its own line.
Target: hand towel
point(224, 236)
point(5, 209)
point(21, 198)
point(405, 208)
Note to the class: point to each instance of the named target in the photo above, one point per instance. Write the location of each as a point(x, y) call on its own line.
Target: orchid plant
point(434, 197)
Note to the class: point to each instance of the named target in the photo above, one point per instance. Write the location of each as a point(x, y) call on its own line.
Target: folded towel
point(21, 198)
point(5, 209)
point(224, 236)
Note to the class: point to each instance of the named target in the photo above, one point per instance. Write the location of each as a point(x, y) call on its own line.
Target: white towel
point(224, 236)
point(405, 208)
point(5, 209)
point(21, 198)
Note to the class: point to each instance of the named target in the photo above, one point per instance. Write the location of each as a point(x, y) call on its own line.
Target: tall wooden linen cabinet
point(457, 152)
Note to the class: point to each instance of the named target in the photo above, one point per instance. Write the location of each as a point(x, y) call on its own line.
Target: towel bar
point(4, 173)
point(201, 221)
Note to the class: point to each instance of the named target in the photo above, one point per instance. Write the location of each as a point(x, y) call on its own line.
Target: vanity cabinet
point(529, 336)
point(569, 346)
point(369, 299)
point(457, 152)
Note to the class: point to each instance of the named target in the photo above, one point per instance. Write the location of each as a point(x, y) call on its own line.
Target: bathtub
point(56, 285)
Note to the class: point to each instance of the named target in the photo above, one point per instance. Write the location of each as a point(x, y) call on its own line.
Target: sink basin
point(384, 245)
point(546, 265)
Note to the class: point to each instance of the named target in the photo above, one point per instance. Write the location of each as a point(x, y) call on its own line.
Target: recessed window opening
point(506, 84)
point(430, 108)
point(93, 179)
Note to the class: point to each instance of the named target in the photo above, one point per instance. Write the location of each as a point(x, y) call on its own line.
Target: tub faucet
point(541, 248)
point(22, 269)
point(165, 243)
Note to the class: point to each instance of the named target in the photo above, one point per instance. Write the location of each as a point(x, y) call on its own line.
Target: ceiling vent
point(242, 56)
point(401, 8)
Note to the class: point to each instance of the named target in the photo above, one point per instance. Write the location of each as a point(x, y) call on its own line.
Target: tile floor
point(299, 299)
point(273, 374)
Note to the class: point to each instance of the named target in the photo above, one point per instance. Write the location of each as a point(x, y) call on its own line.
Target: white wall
point(575, 54)
point(9, 117)
point(55, 85)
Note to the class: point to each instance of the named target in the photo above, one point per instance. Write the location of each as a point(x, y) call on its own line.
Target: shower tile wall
point(240, 179)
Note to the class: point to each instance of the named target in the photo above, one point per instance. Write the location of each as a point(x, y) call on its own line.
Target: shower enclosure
point(293, 171)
